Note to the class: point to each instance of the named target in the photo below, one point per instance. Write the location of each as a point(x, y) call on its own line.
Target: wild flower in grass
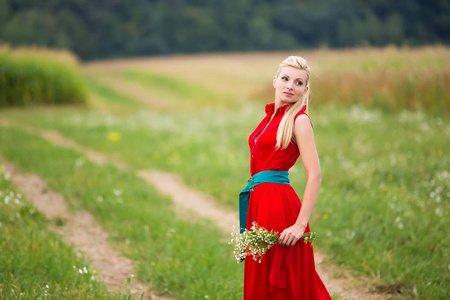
point(114, 136)
point(130, 279)
point(83, 270)
point(351, 235)
point(257, 241)
point(117, 192)
point(46, 291)
point(79, 162)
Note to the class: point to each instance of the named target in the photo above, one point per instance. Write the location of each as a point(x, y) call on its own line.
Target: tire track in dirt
point(338, 280)
point(82, 231)
point(185, 198)
point(166, 183)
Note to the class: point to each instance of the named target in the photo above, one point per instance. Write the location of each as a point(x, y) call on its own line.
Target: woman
point(287, 271)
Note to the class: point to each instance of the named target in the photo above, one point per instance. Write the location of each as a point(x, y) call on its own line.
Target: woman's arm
point(304, 136)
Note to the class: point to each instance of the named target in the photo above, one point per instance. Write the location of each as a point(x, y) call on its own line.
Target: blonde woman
point(287, 270)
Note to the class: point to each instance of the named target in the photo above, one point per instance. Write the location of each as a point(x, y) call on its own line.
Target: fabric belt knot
point(281, 177)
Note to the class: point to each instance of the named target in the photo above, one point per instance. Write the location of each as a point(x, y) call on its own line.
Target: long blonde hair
point(286, 127)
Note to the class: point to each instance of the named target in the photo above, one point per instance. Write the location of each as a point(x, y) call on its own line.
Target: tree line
point(119, 28)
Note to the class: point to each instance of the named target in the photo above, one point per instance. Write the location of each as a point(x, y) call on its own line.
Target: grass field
point(35, 264)
point(384, 201)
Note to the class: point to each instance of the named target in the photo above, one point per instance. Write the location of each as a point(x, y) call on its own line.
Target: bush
point(38, 76)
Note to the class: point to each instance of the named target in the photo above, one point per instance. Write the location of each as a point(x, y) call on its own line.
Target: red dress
point(285, 273)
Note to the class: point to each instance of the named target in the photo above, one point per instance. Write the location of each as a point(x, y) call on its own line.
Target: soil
point(187, 199)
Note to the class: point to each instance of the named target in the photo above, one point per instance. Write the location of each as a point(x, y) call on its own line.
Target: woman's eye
point(299, 83)
point(284, 78)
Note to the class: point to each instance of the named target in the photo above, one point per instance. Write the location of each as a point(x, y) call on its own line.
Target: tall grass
point(388, 78)
point(391, 79)
point(37, 76)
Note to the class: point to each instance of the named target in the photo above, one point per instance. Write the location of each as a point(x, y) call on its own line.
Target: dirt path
point(337, 280)
point(204, 206)
point(167, 184)
point(82, 231)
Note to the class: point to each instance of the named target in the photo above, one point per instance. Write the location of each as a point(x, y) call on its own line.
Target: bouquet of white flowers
point(257, 241)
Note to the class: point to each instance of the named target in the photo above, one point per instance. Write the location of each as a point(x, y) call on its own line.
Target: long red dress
point(285, 273)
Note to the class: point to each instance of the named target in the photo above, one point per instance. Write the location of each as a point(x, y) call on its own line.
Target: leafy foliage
point(111, 28)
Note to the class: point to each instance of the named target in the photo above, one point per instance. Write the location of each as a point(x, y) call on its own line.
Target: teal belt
point(281, 177)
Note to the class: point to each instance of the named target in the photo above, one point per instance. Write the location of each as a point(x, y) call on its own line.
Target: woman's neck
point(278, 104)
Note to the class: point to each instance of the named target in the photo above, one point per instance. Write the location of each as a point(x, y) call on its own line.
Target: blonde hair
point(286, 127)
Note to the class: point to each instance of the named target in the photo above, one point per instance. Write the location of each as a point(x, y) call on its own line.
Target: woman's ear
point(274, 81)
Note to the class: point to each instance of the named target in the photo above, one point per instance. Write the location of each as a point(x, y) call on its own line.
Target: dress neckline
point(269, 109)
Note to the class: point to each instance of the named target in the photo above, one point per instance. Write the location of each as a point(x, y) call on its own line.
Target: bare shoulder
point(303, 124)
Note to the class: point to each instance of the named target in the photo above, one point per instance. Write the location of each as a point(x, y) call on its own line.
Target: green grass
point(110, 99)
point(384, 202)
point(386, 196)
point(181, 258)
point(29, 78)
point(183, 95)
point(35, 263)
point(383, 205)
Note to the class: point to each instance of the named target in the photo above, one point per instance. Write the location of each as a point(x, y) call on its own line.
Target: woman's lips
point(288, 94)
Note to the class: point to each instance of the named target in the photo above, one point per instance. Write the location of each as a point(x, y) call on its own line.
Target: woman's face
point(290, 85)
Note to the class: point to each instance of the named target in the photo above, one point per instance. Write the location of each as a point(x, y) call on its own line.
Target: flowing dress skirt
point(285, 273)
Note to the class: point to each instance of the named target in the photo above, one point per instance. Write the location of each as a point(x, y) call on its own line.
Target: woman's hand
point(291, 235)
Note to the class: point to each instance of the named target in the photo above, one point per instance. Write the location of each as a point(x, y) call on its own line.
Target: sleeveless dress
point(285, 273)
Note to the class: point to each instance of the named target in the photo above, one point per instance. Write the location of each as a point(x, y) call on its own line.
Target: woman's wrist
point(301, 224)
